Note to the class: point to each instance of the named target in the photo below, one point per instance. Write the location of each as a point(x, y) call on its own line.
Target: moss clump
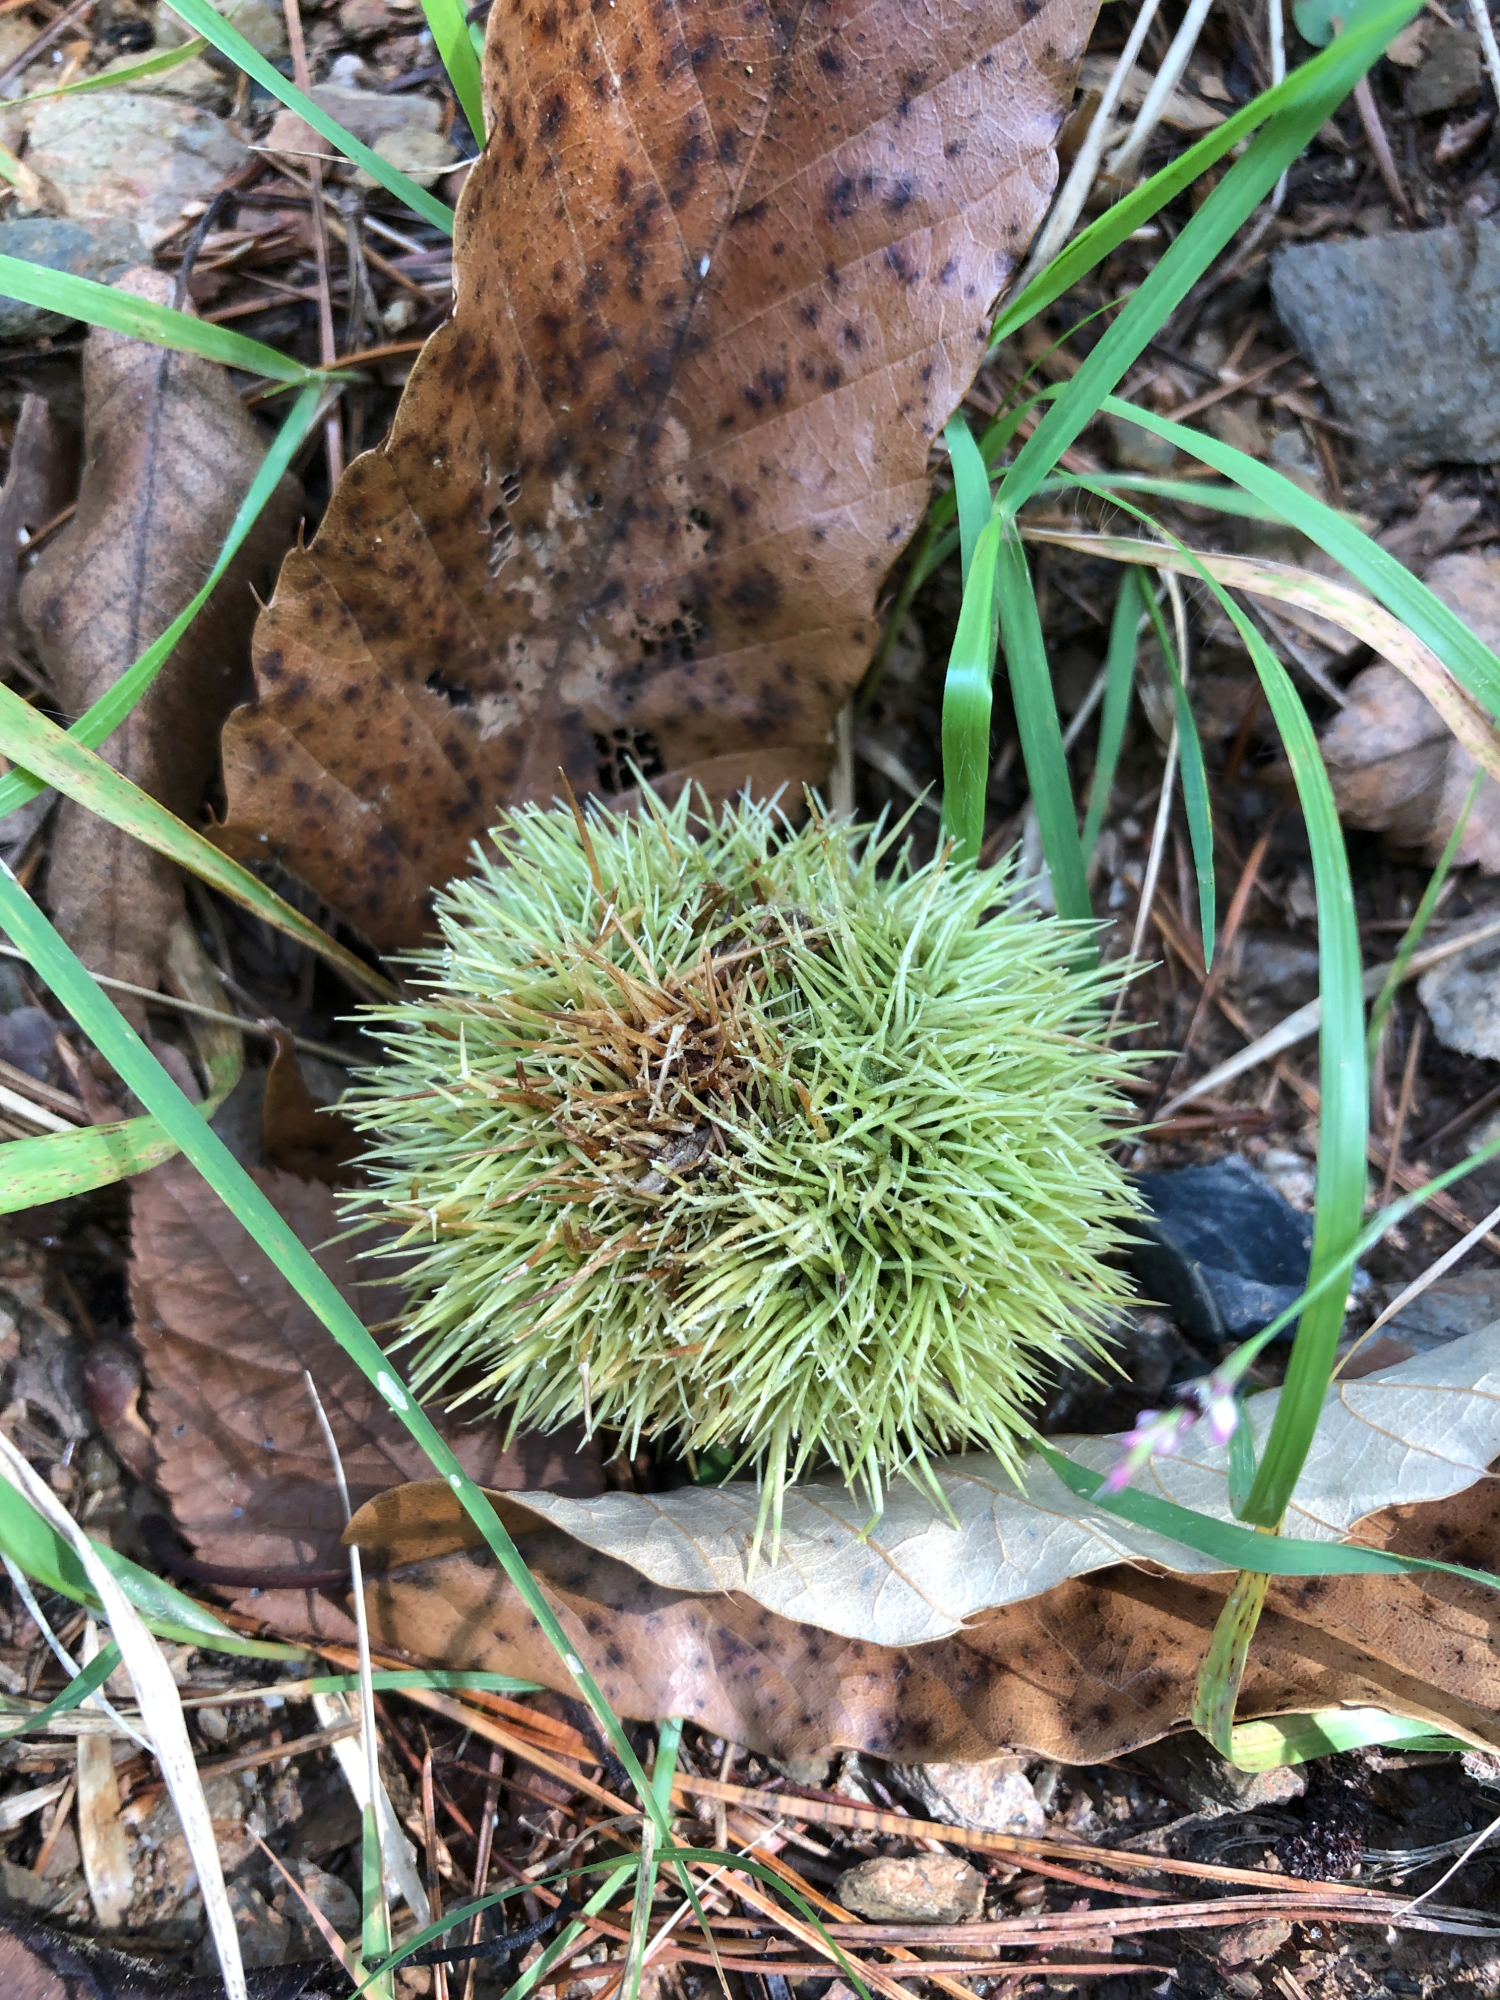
point(716, 1131)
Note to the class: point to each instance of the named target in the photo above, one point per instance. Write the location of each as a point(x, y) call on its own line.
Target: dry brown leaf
point(297, 1134)
point(1394, 765)
point(169, 455)
point(721, 276)
point(41, 478)
point(1093, 1668)
point(224, 1341)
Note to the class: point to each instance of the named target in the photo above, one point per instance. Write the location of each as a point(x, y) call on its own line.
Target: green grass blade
point(971, 488)
point(121, 1046)
point(1385, 999)
point(1040, 732)
point(402, 1680)
point(1297, 1739)
point(1119, 679)
point(1232, 1545)
point(1194, 782)
point(457, 54)
point(1466, 656)
point(33, 1545)
point(82, 1685)
point(227, 39)
point(1241, 1466)
point(1242, 189)
point(1186, 492)
point(1368, 32)
point(103, 717)
point(95, 1156)
point(143, 319)
point(1223, 1667)
point(967, 696)
point(49, 753)
point(156, 64)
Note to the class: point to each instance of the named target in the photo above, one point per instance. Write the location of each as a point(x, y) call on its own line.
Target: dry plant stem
point(1380, 148)
point(13, 72)
point(333, 434)
point(434, 1881)
point(1484, 27)
point(1244, 889)
point(1276, 36)
point(170, 1003)
point(1403, 1109)
point(1076, 189)
point(1125, 156)
point(483, 1848)
point(1302, 1025)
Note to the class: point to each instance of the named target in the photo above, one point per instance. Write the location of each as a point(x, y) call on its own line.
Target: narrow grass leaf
point(1277, 1740)
point(94, 1156)
point(1334, 72)
point(1119, 679)
point(121, 1046)
point(156, 64)
point(100, 720)
point(47, 752)
point(161, 1712)
point(1466, 656)
point(1241, 1466)
point(1037, 724)
point(37, 1549)
point(967, 697)
point(1223, 1668)
point(457, 54)
point(82, 1685)
point(971, 487)
point(227, 39)
point(1195, 797)
point(143, 319)
point(1234, 1546)
point(1412, 937)
point(1245, 185)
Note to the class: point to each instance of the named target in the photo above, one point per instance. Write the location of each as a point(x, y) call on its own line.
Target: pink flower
point(1158, 1433)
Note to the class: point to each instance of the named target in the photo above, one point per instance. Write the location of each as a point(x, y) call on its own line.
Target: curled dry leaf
point(169, 453)
point(721, 276)
point(224, 1341)
point(1091, 1668)
point(1393, 763)
point(1428, 1427)
point(38, 1963)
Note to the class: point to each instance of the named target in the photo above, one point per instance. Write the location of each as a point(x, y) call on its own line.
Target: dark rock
point(1220, 1249)
point(1402, 333)
point(102, 251)
point(1199, 1780)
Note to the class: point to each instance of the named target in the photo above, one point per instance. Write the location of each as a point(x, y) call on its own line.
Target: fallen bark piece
point(721, 276)
point(927, 1889)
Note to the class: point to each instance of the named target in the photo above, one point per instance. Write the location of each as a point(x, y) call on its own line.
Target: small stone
point(102, 252)
point(422, 156)
point(363, 20)
point(266, 1938)
point(262, 24)
point(1141, 450)
point(365, 113)
point(993, 1796)
point(1450, 75)
point(1210, 1785)
point(927, 1889)
point(1254, 1943)
point(1400, 331)
point(131, 158)
point(334, 1901)
point(812, 1771)
point(1462, 999)
point(197, 81)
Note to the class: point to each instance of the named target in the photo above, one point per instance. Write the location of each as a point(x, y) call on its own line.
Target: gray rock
point(1464, 1302)
point(1206, 1783)
point(131, 158)
point(101, 252)
point(928, 1889)
point(1404, 333)
point(1463, 1000)
point(1450, 75)
point(993, 1796)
